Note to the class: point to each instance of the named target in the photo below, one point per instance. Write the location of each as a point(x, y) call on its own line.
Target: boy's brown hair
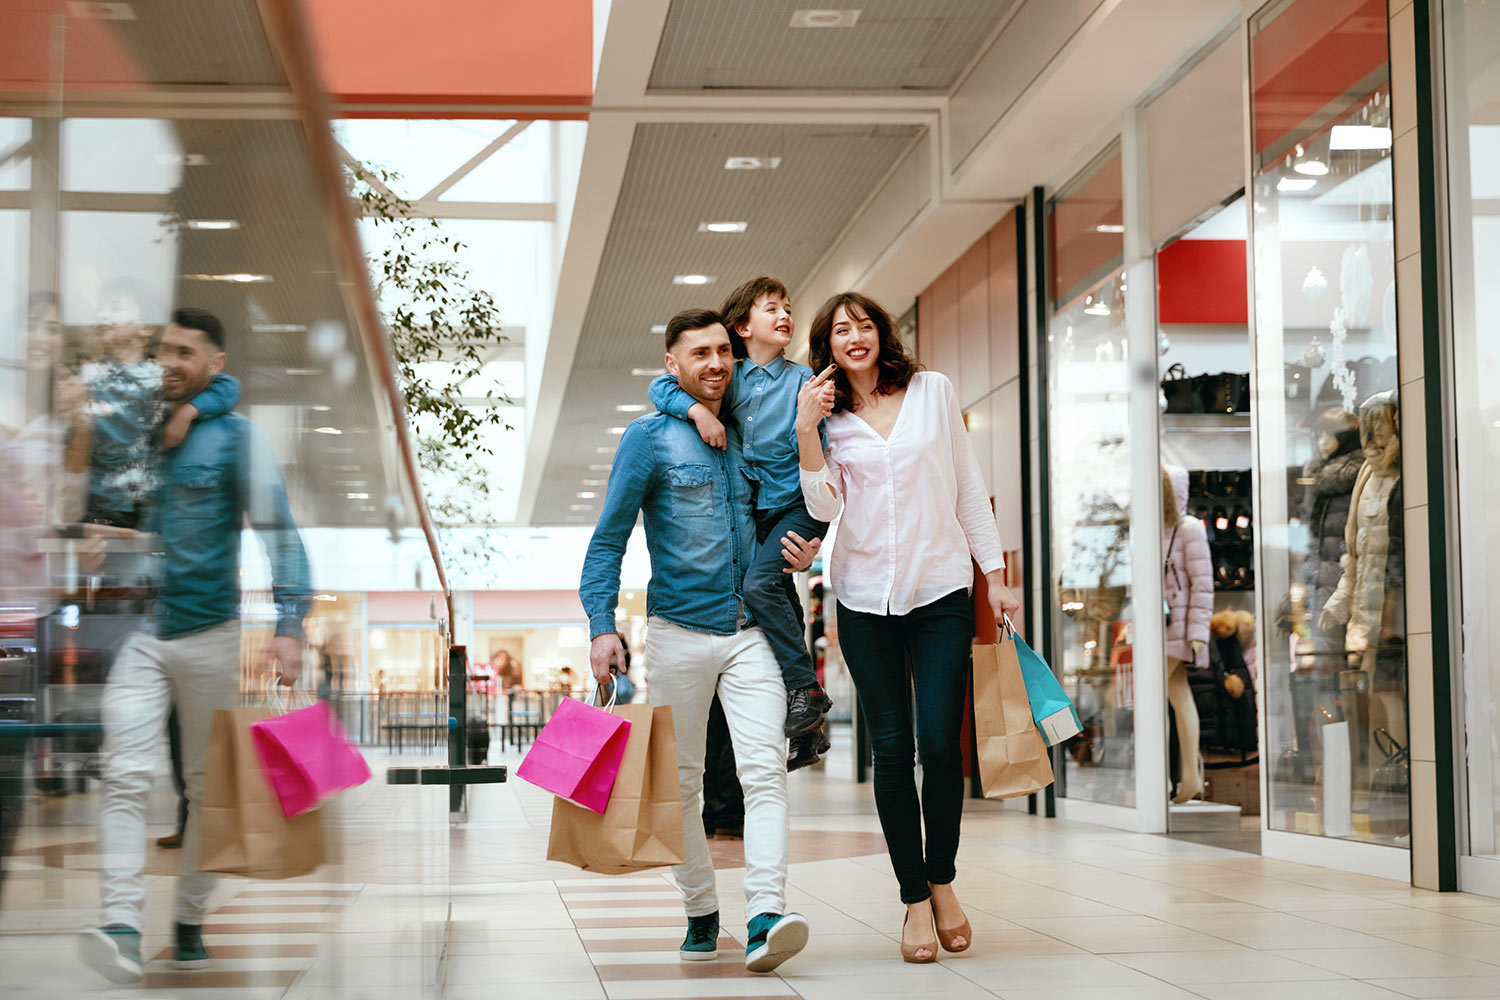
point(737, 306)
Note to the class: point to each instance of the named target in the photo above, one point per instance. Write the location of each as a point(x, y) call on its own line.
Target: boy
point(762, 401)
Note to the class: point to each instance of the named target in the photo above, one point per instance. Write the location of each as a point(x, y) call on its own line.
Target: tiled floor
point(1059, 910)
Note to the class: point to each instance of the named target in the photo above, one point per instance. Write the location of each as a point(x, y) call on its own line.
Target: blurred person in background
point(224, 474)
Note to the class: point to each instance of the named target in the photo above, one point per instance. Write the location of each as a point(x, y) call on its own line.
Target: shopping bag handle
point(274, 688)
point(1009, 629)
point(606, 705)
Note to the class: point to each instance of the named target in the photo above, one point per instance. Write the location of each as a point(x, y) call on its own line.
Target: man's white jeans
point(685, 668)
point(198, 673)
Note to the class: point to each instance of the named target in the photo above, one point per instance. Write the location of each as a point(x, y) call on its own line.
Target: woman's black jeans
point(937, 639)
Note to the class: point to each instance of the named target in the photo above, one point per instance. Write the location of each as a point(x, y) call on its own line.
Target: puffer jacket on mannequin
point(1189, 574)
point(1325, 505)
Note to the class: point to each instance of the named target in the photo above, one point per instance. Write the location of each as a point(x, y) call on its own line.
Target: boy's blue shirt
point(762, 404)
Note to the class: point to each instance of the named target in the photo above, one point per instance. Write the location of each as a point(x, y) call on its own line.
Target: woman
point(915, 509)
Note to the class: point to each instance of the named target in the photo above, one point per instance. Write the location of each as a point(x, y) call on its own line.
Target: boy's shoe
point(807, 749)
point(774, 938)
point(805, 709)
point(171, 842)
point(702, 941)
point(114, 951)
point(189, 952)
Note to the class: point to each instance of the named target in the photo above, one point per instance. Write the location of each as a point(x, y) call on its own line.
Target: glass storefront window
point(1088, 402)
point(1473, 92)
point(1329, 445)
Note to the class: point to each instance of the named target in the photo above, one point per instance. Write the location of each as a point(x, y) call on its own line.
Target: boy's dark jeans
point(771, 595)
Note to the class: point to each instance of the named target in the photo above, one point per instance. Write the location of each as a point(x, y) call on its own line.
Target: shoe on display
point(774, 938)
point(805, 710)
point(702, 941)
point(807, 749)
point(114, 951)
point(189, 952)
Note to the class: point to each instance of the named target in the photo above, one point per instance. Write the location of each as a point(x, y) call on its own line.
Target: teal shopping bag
point(1050, 706)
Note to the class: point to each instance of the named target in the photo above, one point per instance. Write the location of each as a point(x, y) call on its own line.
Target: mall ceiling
point(675, 180)
point(887, 45)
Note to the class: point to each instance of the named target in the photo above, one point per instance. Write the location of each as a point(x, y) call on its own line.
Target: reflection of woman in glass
point(915, 512)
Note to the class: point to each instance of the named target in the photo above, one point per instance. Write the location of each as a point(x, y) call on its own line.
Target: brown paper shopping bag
point(642, 825)
point(242, 829)
point(1013, 758)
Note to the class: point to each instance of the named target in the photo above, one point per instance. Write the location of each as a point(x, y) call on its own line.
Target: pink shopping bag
point(307, 757)
point(577, 754)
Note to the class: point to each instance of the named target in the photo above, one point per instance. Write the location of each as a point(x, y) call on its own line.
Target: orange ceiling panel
point(456, 53)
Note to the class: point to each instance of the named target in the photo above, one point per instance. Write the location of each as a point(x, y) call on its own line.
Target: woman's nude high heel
point(909, 951)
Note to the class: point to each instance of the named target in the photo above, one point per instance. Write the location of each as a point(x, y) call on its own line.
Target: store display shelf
point(1188, 423)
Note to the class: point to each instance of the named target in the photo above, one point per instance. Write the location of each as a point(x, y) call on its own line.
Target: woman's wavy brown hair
point(895, 367)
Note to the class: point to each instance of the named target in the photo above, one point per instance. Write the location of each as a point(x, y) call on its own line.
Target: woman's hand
point(815, 401)
point(1002, 602)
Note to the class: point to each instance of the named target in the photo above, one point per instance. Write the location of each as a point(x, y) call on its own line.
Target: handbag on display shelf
point(1226, 392)
point(1181, 391)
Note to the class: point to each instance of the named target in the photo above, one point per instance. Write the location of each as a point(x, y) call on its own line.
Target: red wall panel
point(1202, 281)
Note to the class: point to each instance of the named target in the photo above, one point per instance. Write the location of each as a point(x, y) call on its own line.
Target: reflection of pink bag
point(577, 754)
point(306, 757)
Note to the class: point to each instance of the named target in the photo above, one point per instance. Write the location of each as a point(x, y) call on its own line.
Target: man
point(224, 473)
point(700, 532)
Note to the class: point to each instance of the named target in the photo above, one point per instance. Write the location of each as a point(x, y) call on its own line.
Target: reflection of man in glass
point(222, 475)
point(125, 409)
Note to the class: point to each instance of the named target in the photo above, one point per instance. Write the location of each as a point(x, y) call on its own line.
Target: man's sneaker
point(807, 749)
point(113, 951)
point(702, 942)
point(189, 952)
point(774, 938)
point(805, 709)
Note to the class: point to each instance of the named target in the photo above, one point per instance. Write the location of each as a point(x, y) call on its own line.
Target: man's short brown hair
point(737, 306)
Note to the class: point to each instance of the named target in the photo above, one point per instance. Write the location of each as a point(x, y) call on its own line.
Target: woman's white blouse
point(915, 506)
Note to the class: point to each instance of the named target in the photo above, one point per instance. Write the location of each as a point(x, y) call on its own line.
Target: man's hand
point(710, 427)
point(176, 430)
point(604, 652)
point(799, 551)
point(283, 654)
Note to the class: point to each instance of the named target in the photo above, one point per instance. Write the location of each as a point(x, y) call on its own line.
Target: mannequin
point(1370, 600)
point(1188, 586)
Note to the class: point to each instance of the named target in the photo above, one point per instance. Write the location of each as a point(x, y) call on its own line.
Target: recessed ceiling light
point(320, 409)
point(722, 227)
point(1098, 309)
point(647, 372)
point(357, 496)
point(1360, 137)
point(631, 408)
point(600, 468)
point(1296, 184)
point(215, 225)
point(1108, 228)
point(585, 495)
point(824, 18)
point(602, 450)
point(581, 506)
point(617, 430)
point(593, 482)
point(693, 279)
point(1312, 168)
point(752, 163)
point(278, 328)
point(239, 279)
point(304, 371)
point(659, 328)
point(327, 430)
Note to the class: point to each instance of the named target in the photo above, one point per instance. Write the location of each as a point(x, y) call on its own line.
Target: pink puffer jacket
point(1189, 579)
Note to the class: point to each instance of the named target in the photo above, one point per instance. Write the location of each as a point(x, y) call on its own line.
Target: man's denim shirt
point(700, 531)
point(225, 473)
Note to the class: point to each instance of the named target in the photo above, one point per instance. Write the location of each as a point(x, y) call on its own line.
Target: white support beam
point(484, 154)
